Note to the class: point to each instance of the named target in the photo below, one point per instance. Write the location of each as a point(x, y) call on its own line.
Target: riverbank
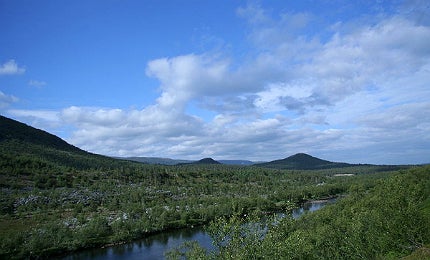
point(154, 246)
point(175, 235)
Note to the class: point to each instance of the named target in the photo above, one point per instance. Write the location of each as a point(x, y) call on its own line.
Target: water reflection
point(311, 206)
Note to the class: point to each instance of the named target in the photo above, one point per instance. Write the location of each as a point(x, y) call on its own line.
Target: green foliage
point(135, 200)
point(188, 250)
point(388, 221)
point(421, 253)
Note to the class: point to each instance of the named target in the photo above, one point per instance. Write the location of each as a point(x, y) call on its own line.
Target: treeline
point(50, 207)
point(389, 221)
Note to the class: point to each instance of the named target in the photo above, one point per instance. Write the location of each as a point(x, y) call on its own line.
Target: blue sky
point(258, 80)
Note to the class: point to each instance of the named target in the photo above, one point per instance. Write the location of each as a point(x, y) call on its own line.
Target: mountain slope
point(204, 161)
point(302, 161)
point(14, 130)
point(207, 161)
point(25, 149)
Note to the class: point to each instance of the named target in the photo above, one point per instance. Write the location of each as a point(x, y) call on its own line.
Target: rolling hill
point(302, 161)
point(204, 161)
point(207, 161)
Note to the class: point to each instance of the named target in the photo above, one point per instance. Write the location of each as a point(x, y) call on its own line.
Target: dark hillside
point(25, 150)
point(204, 161)
point(14, 130)
point(207, 161)
point(302, 161)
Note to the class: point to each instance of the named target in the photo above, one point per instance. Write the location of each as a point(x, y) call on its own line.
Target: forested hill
point(14, 130)
point(207, 161)
point(204, 161)
point(24, 150)
point(302, 161)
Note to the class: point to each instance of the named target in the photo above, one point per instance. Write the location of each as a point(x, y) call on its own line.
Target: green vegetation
point(388, 221)
point(65, 208)
point(56, 198)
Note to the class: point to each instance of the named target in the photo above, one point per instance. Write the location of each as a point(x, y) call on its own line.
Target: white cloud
point(185, 77)
point(11, 68)
point(49, 120)
point(281, 96)
point(114, 131)
point(44, 115)
point(36, 83)
point(92, 116)
point(6, 100)
point(254, 14)
point(400, 117)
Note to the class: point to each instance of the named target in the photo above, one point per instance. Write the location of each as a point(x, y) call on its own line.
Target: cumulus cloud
point(197, 77)
point(185, 77)
point(131, 132)
point(11, 68)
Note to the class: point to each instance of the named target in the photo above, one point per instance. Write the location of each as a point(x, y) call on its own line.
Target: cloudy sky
point(259, 80)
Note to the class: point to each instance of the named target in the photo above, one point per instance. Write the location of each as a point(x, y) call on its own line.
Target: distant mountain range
point(300, 161)
point(17, 139)
point(168, 161)
point(155, 160)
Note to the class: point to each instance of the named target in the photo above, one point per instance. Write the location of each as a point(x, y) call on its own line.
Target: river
point(154, 246)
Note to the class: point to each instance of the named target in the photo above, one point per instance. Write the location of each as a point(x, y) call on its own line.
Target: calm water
point(154, 247)
point(311, 206)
